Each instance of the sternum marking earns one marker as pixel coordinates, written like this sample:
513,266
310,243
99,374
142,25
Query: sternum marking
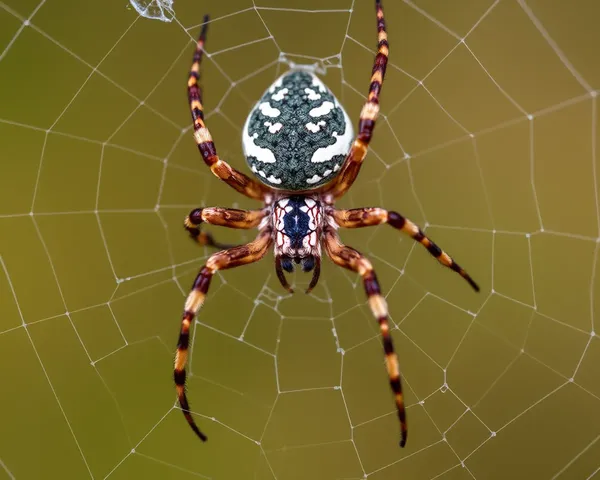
297,221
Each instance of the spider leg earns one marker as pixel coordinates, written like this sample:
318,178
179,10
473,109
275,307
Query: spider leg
349,258
224,217
368,115
366,217
232,257
240,182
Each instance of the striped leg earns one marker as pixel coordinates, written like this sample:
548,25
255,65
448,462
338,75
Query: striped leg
224,217
349,258
366,217
240,182
368,115
233,257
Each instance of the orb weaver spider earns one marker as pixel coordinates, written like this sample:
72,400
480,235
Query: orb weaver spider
299,143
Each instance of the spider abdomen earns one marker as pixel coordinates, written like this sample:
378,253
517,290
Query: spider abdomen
298,135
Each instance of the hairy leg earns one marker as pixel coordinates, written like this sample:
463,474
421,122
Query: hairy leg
233,257
349,258
366,217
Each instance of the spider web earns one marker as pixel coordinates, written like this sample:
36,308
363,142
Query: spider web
487,139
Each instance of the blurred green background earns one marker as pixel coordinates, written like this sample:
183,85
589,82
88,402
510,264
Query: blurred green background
487,138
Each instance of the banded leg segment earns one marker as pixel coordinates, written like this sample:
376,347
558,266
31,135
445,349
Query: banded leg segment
240,182
368,115
232,257
349,258
224,217
366,217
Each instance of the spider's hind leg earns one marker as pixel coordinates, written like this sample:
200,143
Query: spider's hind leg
351,259
225,217
226,259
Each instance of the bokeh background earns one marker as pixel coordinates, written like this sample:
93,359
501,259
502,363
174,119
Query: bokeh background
488,139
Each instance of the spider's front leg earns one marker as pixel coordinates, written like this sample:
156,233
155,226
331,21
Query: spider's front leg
237,180
351,259
232,257
366,217
224,217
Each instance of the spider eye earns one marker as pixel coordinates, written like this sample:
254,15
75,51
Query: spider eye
287,265
308,263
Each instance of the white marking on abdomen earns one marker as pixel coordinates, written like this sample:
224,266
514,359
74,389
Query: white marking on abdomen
273,128
312,95
326,154
340,147
314,128
263,155
280,95
267,110
322,109
314,179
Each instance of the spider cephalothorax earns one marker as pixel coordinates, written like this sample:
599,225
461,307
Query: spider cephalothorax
298,141
297,223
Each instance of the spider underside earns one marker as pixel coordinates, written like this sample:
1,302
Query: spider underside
298,141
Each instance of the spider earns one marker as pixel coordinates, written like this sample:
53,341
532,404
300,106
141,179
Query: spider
299,143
